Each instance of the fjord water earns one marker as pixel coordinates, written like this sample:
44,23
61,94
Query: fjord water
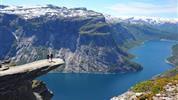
151,55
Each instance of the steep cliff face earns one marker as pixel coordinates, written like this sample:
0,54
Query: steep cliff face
25,91
40,90
80,36
7,40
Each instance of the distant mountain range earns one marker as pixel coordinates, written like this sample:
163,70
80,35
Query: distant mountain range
166,25
141,20
88,41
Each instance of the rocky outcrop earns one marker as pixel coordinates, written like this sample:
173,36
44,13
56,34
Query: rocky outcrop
130,95
169,93
24,91
40,90
16,82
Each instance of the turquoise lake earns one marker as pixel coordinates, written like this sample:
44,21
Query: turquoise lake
151,55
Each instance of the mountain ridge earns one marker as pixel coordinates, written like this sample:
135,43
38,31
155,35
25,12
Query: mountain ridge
152,20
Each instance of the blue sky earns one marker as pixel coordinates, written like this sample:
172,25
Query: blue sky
149,8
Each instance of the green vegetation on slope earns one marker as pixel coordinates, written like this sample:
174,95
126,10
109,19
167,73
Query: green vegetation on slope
152,87
143,31
95,29
174,58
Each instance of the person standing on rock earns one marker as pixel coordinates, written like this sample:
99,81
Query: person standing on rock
51,56
48,57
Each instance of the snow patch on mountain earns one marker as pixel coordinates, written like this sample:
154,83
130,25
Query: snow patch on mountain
29,12
141,20
50,10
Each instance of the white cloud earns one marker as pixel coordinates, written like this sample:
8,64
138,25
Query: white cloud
143,9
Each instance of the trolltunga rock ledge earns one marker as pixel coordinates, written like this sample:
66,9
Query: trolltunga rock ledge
16,82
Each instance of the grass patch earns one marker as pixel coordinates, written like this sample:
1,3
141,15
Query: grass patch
95,29
154,86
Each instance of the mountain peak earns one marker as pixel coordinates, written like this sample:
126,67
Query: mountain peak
3,6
